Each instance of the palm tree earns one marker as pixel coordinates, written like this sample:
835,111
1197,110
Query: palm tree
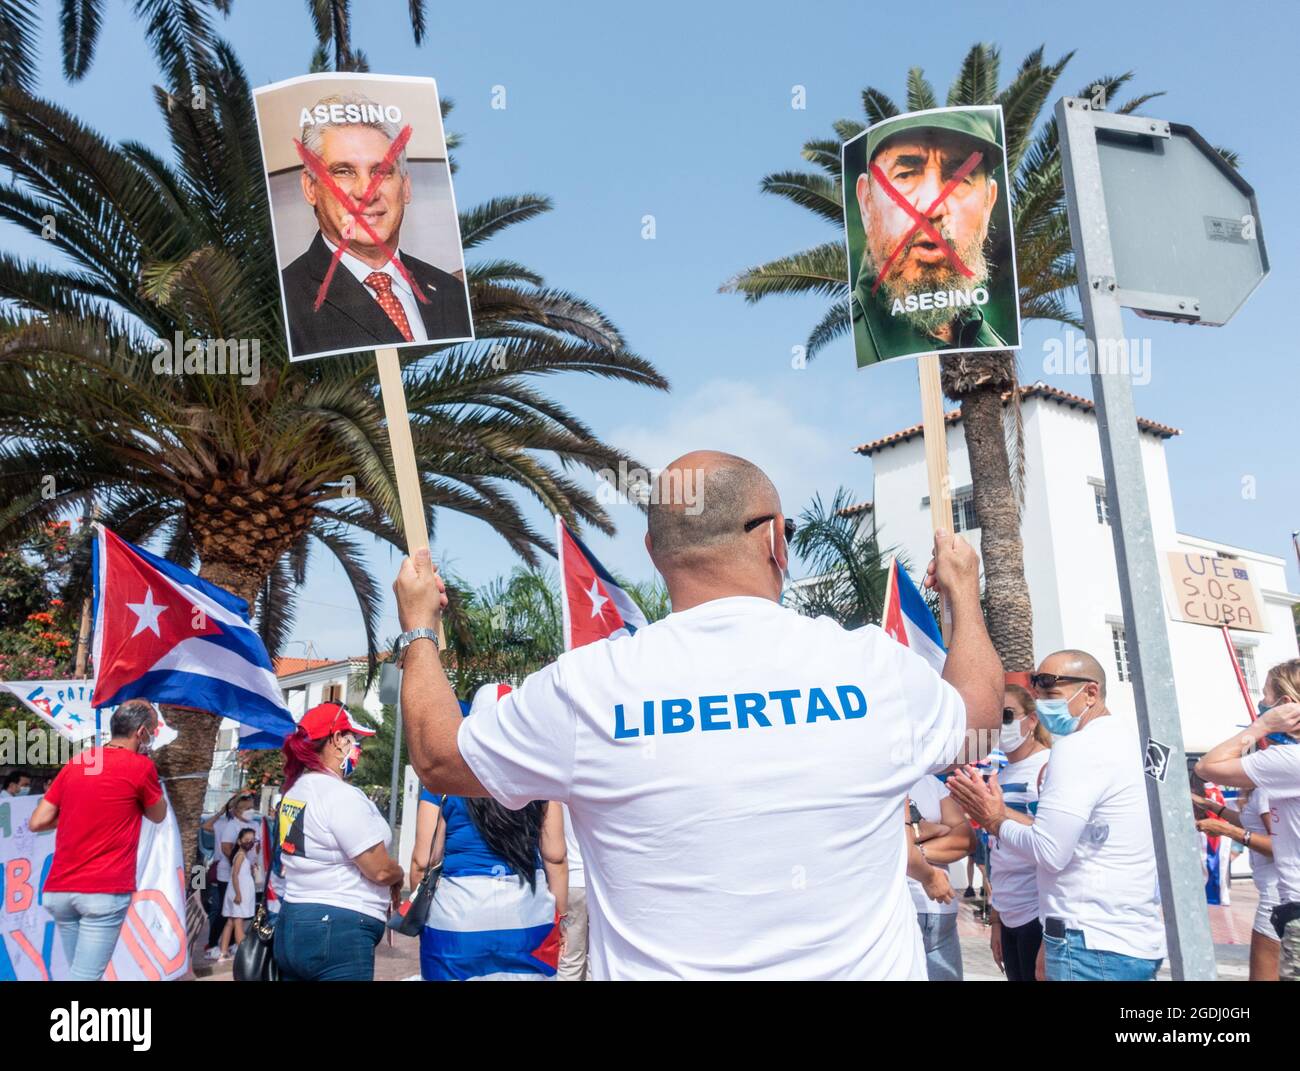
332,20
178,31
982,383
246,478
849,570
513,626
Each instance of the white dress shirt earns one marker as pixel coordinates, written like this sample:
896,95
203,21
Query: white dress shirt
401,288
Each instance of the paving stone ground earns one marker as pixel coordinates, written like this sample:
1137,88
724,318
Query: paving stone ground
1229,926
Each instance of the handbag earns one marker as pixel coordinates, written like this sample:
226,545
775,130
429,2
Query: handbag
411,917
255,956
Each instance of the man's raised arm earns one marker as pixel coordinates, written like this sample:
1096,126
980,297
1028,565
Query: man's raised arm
973,666
430,712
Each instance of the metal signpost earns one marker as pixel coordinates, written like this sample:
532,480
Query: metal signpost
390,694
1163,225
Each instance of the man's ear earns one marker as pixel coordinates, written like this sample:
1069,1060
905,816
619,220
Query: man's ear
863,191
781,549
308,187
993,193
406,188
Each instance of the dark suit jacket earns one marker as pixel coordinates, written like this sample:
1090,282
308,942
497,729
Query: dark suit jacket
350,318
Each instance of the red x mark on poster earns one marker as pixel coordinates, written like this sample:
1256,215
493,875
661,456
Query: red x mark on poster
922,222
317,167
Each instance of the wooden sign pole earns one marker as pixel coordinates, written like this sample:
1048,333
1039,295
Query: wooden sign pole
404,467
936,459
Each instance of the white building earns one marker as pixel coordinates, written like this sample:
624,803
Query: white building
305,682
1070,555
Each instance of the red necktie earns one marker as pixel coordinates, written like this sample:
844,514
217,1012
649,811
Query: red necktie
383,285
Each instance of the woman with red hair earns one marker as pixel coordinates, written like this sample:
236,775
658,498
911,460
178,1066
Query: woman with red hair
339,878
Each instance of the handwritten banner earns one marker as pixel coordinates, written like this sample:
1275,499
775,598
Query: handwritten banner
153,944
1214,591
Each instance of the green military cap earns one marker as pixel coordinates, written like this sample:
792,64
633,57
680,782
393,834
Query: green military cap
982,125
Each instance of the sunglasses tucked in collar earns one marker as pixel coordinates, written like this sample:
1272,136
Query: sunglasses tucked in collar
789,525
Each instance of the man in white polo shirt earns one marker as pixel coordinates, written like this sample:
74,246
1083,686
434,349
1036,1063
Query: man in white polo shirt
735,772
1091,834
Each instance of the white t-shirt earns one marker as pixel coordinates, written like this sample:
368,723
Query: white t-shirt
1091,839
325,823
1013,874
226,831
736,774
1262,869
1277,771
576,879
928,794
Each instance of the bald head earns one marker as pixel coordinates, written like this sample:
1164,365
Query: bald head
701,503
1075,663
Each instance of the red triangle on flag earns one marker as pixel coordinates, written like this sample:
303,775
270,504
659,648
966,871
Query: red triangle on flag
593,614
142,617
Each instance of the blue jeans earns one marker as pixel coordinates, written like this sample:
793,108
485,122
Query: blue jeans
942,948
321,943
89,924
1069,959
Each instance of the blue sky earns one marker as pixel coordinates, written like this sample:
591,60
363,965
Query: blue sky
677,112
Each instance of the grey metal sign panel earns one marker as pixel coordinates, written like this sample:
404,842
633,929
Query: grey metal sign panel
1184,225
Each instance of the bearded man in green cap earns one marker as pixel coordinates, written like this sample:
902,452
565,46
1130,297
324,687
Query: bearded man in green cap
921,286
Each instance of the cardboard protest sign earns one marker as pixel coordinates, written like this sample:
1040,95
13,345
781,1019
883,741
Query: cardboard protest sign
367,239
153,945
932,265
1213,591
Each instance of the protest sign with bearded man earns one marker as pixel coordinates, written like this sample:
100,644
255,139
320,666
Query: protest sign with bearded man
927,218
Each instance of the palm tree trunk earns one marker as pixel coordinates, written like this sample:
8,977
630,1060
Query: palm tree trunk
185,763
1007,609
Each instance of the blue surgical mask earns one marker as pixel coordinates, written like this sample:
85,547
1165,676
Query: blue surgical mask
1055,714
24,790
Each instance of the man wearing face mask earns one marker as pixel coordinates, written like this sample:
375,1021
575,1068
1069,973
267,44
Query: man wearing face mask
17,784
736,771
96,804
1090,836
340,880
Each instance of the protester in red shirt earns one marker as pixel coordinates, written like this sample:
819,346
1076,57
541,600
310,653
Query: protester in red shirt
96,803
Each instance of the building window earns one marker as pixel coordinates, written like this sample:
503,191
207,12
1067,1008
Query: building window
1099,500
1246,662
1120,645
333,694
963,511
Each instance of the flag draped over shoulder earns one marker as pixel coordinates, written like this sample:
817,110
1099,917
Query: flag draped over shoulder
907,618
164,634
594,606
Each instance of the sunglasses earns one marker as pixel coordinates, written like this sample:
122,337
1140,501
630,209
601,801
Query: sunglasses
1043,682
790,526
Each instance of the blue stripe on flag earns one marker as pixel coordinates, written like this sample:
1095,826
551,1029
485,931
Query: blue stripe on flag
206,693
914,608
457,956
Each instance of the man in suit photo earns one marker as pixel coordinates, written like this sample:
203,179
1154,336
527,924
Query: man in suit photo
378,295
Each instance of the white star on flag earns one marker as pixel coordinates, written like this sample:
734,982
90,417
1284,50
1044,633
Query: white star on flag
146,614
597,599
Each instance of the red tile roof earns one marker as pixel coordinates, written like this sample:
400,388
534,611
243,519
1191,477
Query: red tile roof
287,667
855,509
1033,390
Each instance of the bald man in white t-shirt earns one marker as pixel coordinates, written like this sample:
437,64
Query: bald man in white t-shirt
736,771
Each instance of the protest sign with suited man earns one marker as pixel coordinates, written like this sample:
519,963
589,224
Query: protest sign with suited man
366,231
928,226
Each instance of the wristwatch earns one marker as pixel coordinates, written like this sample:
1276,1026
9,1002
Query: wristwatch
407,638
1245,841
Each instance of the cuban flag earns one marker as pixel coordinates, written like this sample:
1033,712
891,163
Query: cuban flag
594,606
908,619
163,634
